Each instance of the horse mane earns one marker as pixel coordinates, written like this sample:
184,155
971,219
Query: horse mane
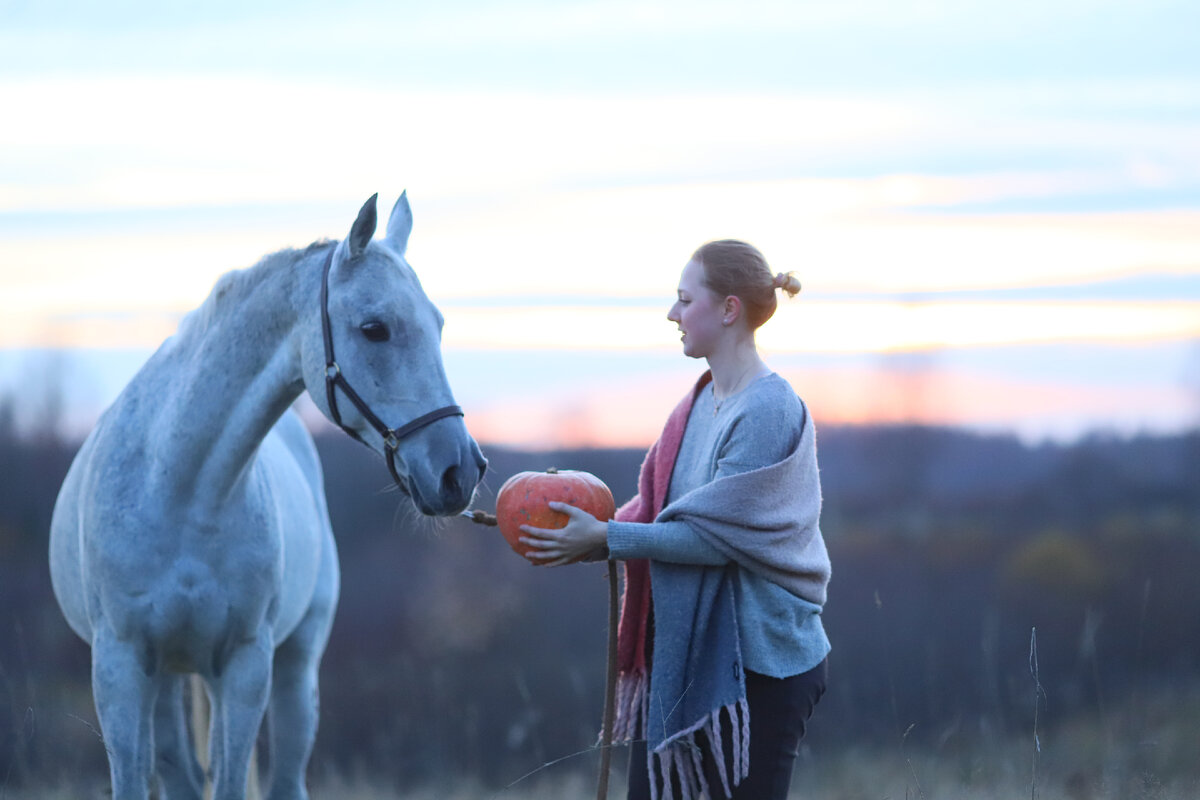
238,283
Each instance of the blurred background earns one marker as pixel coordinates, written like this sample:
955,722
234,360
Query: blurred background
994,209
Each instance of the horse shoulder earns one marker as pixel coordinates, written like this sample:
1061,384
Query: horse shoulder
306,535
299,443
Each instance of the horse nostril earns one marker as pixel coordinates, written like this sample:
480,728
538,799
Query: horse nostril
452,481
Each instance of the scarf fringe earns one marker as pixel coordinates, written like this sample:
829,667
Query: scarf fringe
680,756
631,706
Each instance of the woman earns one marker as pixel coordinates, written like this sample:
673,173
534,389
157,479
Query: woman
720,670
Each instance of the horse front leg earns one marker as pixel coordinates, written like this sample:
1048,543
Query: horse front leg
124,689
295,696
295,704
293,723
240,695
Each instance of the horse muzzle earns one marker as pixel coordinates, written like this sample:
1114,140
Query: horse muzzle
449,492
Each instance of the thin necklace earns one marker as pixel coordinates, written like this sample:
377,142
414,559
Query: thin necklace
718,403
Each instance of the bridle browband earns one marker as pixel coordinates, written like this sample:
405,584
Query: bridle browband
334,378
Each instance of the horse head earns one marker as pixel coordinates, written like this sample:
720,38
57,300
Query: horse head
373,365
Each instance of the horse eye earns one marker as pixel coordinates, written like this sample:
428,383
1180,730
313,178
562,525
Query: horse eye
375,331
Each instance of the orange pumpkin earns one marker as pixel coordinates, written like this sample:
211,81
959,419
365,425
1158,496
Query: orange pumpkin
524,500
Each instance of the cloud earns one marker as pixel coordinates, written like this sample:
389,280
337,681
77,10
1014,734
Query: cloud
940,174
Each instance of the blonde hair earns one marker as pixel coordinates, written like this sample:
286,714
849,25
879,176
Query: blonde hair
733,267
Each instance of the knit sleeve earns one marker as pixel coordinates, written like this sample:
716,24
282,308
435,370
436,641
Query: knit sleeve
675,542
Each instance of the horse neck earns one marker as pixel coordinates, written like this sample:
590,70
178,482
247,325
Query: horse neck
232,371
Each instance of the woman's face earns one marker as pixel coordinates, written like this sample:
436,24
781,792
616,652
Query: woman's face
698,312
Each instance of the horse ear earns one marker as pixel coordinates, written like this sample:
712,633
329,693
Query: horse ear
361,231
399,225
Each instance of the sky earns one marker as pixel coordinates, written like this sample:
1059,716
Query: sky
994,207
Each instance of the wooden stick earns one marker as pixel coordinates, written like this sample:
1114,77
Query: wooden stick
610,685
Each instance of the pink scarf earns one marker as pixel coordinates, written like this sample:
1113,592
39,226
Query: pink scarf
633,635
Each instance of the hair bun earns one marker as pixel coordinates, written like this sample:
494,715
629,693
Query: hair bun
788,282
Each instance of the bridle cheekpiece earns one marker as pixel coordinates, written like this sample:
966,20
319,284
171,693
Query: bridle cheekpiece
335,378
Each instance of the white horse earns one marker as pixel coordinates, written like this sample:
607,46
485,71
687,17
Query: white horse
191,533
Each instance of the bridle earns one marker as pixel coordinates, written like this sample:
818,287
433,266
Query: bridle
334,378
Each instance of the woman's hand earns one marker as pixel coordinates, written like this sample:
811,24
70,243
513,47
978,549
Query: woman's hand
583,538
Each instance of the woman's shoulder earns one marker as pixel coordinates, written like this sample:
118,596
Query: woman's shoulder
772,405
765,425
772,392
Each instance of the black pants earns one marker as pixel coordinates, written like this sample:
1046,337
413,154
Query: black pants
779,711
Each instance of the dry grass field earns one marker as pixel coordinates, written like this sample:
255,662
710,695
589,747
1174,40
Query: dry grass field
1145,751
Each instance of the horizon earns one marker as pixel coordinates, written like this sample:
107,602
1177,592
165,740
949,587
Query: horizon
566,422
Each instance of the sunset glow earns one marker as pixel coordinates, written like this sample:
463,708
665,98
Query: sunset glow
974,204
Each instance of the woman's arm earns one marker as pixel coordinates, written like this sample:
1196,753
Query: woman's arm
764,432
585,538
675,542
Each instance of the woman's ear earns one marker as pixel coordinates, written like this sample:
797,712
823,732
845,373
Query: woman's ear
732,310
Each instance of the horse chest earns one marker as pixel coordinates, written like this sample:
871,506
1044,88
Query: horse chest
161,564
197,594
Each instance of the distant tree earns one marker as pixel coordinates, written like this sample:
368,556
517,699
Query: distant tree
49,397
1191,380
8,418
